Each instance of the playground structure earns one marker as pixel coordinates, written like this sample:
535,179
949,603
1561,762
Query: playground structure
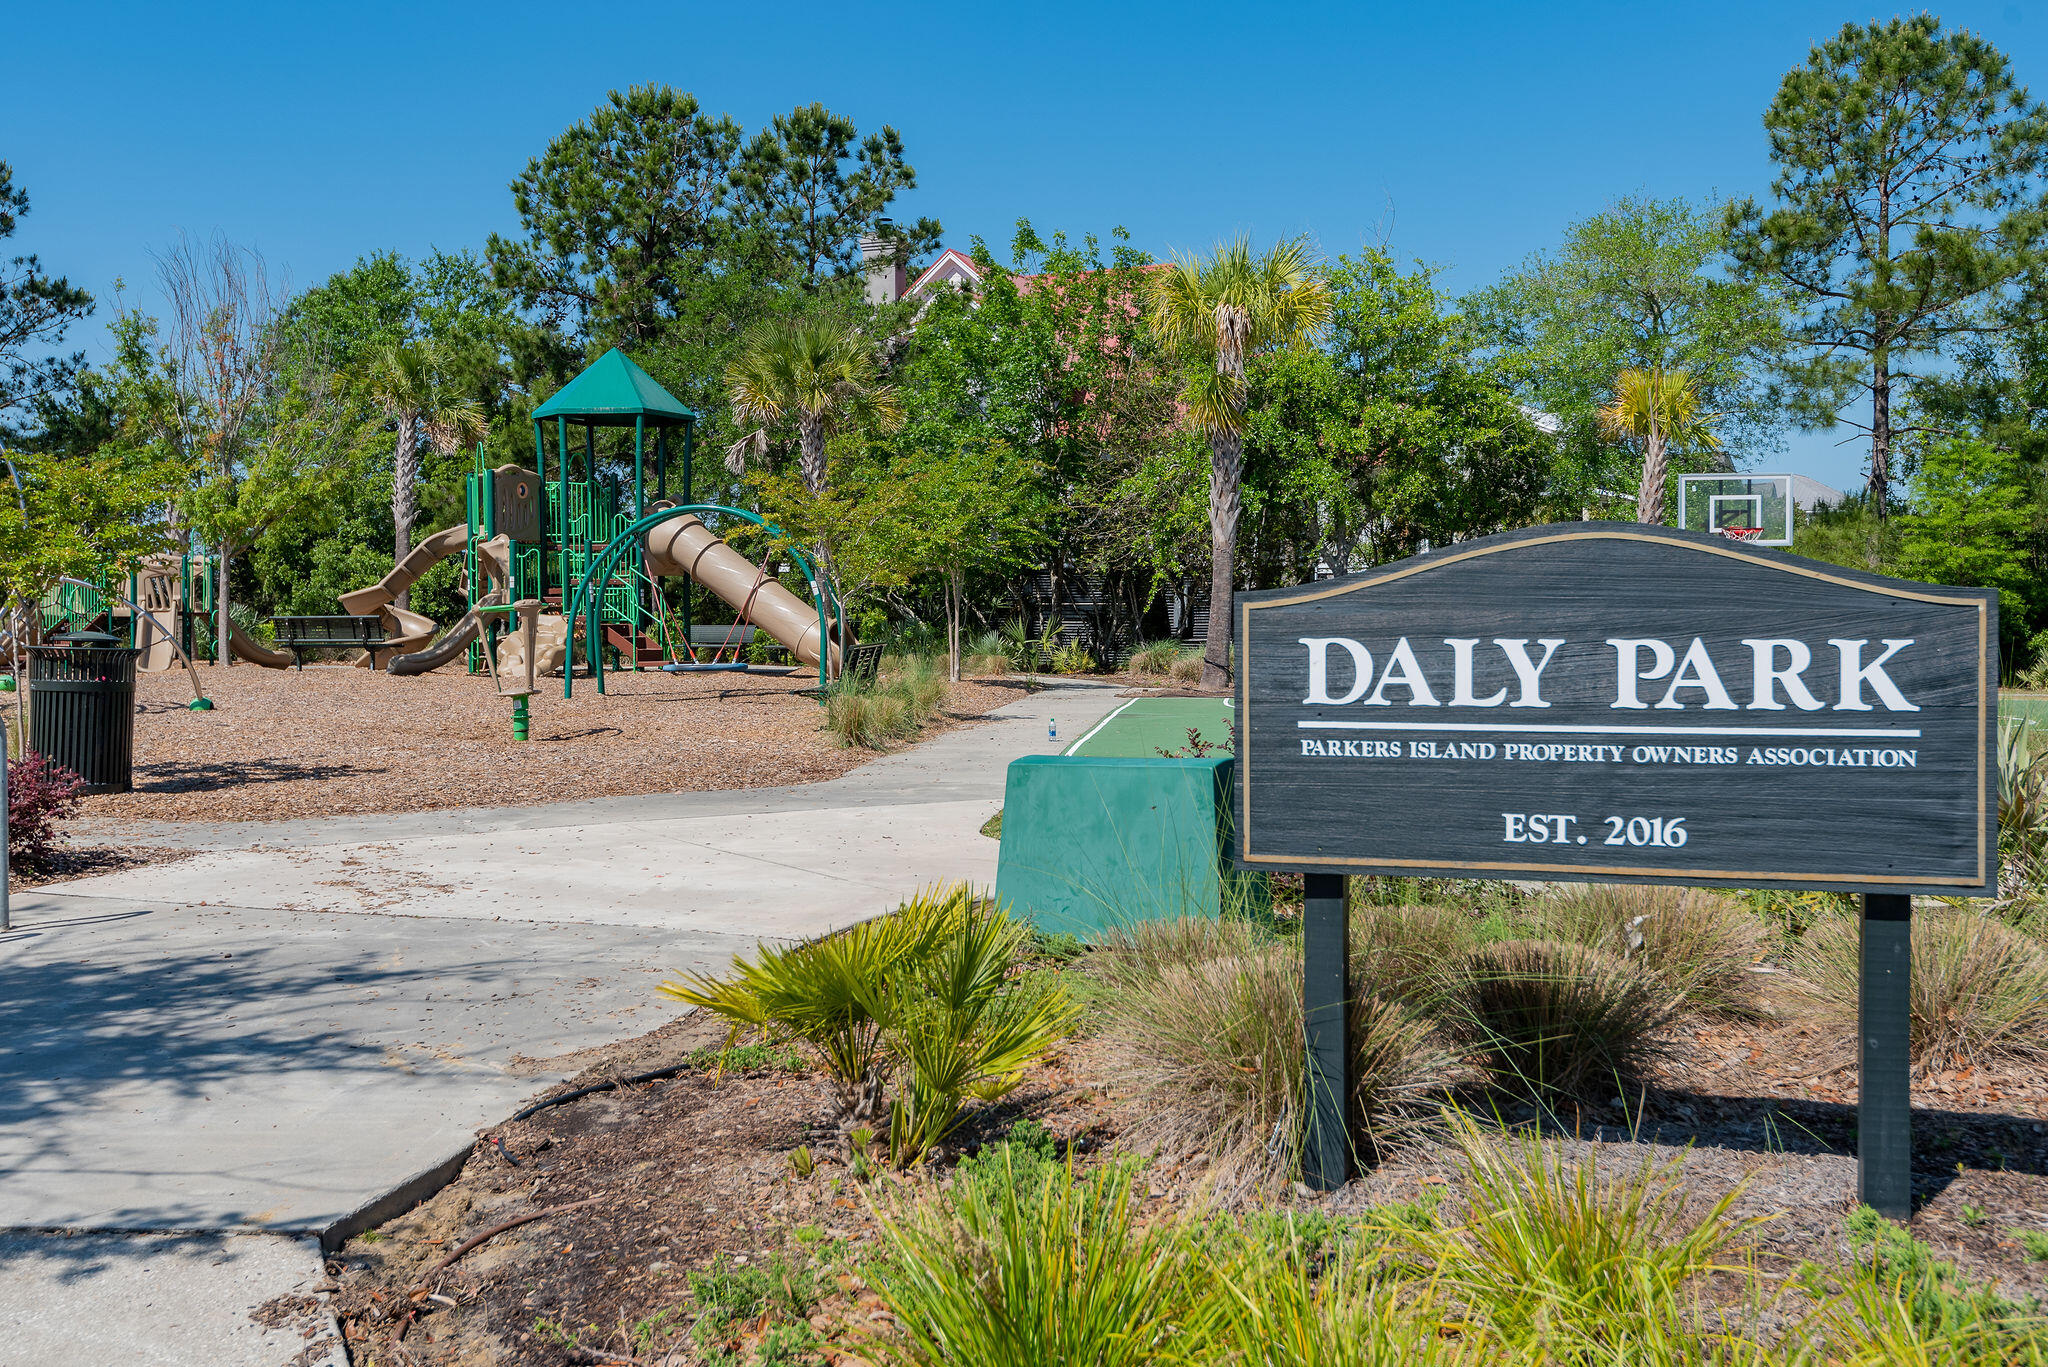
588,547
585,544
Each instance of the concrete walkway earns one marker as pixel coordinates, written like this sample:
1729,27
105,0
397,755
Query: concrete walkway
302,1016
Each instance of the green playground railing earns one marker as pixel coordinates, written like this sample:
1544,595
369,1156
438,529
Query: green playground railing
603,564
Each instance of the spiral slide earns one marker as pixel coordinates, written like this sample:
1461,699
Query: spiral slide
687,547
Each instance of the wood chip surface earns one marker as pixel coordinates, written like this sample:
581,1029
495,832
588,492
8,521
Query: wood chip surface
333,740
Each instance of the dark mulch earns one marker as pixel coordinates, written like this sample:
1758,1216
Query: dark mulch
85,861
680,1172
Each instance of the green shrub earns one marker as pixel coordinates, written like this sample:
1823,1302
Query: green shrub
908,690
734,1298
1209,1013
1029,653
1004,1273
1897,1302
1550,1019
1284,1301
1155,657
1187,668
868,721
1979,988
1567,1265
926,998
1699,944
1074,659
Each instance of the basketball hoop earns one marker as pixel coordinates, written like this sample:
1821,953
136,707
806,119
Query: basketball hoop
1742,533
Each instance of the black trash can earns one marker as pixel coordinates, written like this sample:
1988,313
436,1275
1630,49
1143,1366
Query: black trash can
81,708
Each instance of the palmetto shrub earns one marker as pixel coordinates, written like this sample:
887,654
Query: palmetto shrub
1209,1014
924,1002
1552,1019
1699,944
1979,988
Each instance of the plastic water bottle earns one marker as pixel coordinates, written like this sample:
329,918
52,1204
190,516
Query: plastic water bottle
1052,729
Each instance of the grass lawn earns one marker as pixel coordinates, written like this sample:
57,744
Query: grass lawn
1143,727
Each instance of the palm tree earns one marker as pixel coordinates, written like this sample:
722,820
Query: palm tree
1661,409
817,372
407,382
1214,314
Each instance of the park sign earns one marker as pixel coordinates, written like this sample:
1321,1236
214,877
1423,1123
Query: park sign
1605,701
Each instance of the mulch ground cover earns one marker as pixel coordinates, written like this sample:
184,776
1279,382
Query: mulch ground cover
332,740
653,1182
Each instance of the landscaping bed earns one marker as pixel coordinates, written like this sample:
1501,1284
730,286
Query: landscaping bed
725,1218
332,740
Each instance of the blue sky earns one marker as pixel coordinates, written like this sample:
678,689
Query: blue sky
1464,134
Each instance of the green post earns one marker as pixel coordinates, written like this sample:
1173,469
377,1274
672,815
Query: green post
562,531
519,720
540,470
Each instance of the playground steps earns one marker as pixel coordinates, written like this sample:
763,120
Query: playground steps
646,650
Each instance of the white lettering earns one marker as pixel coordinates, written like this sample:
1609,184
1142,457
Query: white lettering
1628,660
1530,675
1319,670
1461,675
1855,673
1697,671
1410,678
1766,677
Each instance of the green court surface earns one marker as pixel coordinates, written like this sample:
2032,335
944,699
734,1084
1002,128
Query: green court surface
1142,727
2033,707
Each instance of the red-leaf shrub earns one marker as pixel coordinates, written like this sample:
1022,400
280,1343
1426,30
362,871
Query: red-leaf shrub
40,794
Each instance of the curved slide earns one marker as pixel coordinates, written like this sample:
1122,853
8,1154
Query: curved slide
247,647
404,630
494,556
687,547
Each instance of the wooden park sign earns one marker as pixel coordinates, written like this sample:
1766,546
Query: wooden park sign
1614,702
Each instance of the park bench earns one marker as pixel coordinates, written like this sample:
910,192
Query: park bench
721,637
300,634
863,663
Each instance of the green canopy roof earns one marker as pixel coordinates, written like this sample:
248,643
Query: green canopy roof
612,392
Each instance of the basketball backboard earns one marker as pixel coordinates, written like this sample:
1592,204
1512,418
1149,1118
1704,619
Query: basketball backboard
1753,508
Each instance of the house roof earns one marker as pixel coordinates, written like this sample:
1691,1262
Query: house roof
952,264
612,392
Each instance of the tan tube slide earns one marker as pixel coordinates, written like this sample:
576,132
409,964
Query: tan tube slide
687,547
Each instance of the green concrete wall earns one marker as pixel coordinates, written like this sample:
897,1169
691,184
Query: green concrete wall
1089,844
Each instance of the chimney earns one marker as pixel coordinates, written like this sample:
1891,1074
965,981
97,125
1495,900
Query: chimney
883,266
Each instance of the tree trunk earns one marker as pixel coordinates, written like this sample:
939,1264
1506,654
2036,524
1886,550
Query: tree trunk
811,459
1226,466
1656,464
405,494
1880,433
221,625
953,592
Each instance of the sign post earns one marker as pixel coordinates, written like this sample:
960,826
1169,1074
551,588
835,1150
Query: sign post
1614,702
